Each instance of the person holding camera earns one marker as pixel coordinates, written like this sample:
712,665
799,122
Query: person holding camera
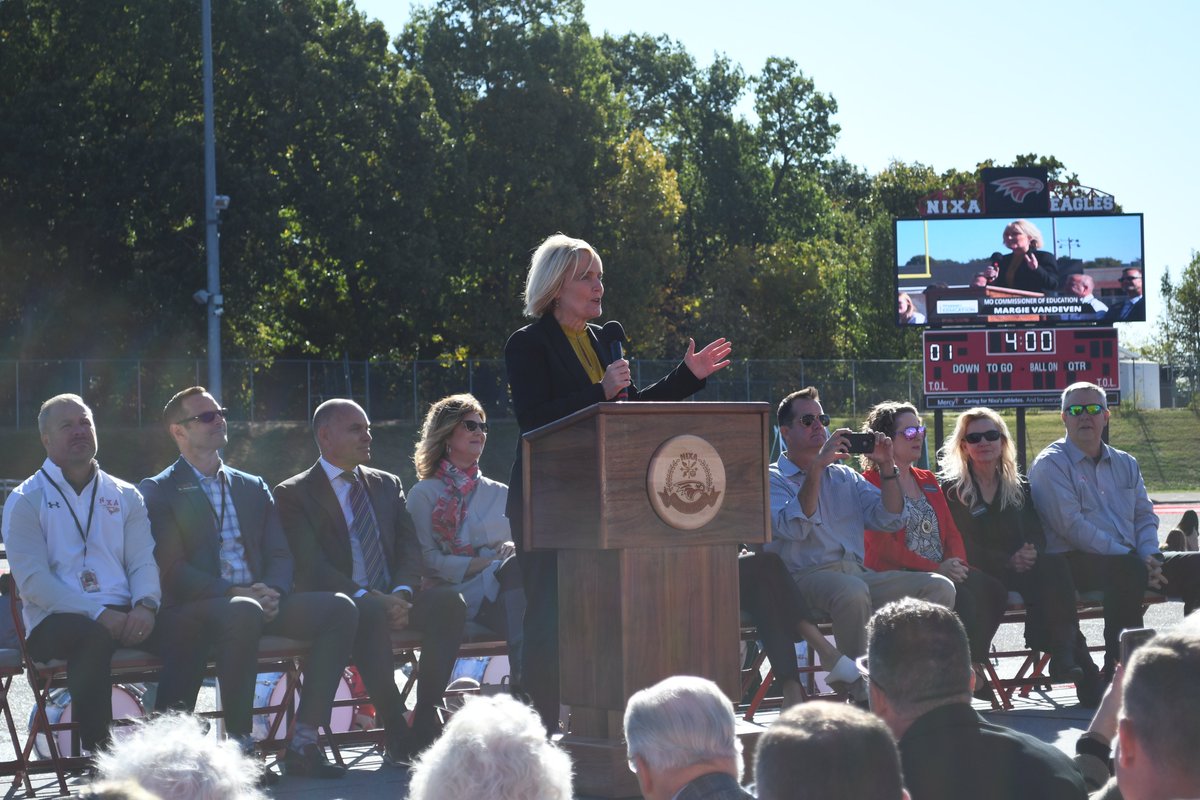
820,509
929,540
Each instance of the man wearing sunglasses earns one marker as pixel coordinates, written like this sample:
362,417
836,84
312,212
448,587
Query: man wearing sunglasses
1093,504
227,580
1133,307
820,510
350,529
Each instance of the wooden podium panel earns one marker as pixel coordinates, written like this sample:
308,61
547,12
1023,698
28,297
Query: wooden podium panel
644,503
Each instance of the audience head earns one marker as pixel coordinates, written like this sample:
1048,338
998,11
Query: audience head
1021,235
115,790
1084,428
900,422
918,659
196,421
827,751
443,433
494,748
556,260
1131,282
981,443
1080,285
343,433
803,424
678,729
68,431
173,757
1158,727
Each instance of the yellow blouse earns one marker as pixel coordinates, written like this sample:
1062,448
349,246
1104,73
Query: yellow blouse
586,354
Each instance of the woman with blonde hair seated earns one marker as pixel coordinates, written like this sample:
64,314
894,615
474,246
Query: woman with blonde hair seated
459,516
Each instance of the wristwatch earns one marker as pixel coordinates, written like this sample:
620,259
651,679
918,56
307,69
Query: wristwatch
148,603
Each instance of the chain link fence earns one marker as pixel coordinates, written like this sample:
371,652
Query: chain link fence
132,392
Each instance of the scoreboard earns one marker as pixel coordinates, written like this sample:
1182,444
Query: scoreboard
1016,367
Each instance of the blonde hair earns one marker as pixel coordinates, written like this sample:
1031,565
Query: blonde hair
1029,229
956,464
441,420
556,259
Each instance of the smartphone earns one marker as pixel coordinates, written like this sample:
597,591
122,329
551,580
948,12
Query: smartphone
1132,639
860,442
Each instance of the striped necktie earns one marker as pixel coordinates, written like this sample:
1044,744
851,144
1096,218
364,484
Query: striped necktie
367,533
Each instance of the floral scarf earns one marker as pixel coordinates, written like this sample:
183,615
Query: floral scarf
451,507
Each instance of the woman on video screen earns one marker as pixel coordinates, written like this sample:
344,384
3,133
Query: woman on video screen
1029,268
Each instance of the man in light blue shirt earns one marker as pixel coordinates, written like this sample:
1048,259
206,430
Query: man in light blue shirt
1093,504
820,511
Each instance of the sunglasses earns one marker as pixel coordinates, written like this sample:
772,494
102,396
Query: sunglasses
976,438
1091,408
472,426
808,419
206,417
1129,278
913,432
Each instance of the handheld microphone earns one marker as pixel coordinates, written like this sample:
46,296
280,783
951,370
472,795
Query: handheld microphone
615,335
997,259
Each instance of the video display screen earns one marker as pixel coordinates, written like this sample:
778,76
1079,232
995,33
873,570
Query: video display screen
1046,271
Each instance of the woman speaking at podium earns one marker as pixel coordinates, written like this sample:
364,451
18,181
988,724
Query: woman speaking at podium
557,365
1029,268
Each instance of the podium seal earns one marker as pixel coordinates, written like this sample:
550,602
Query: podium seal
686,482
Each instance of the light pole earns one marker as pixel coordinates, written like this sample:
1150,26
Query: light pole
213,205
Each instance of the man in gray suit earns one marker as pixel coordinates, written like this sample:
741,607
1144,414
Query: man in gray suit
351,532
227,579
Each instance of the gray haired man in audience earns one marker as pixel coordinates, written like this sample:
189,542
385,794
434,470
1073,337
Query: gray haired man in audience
681,741
920,681
828,751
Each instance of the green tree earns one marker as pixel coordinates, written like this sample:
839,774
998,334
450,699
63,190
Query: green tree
1177,339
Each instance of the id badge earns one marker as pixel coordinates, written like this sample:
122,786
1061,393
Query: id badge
89,581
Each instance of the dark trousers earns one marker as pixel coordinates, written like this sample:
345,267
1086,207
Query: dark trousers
440,615
1051,621
770,596
506,615
228,629
539,670
980,602
1122,580
87,647
1182,571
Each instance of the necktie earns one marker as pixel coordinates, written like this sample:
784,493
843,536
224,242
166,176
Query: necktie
367,534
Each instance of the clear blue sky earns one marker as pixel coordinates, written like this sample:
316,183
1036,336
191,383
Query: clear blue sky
1107,87
1116,237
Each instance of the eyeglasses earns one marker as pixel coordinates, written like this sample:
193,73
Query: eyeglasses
864,669
1091,408
913,432
206,417
976,438
472,426
1129,278
808,419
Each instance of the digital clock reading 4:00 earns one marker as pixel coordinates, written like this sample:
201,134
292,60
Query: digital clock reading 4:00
999,343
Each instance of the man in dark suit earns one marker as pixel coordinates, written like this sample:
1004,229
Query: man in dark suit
920,684
227,579
350,532
1133,307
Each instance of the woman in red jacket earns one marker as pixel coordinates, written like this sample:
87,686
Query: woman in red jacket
929,540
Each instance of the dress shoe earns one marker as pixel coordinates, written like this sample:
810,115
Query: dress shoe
1063,669
310,762
266,777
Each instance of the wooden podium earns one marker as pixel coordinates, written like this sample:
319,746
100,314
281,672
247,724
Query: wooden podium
644,502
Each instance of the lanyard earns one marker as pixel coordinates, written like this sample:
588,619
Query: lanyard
220,520
83,532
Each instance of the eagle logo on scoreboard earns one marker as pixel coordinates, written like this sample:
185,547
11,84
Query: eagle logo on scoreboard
1019,188
685,482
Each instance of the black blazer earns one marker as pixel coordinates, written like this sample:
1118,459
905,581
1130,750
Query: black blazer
992,537
187,544
316,529
1044,279
548,382
1137,311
